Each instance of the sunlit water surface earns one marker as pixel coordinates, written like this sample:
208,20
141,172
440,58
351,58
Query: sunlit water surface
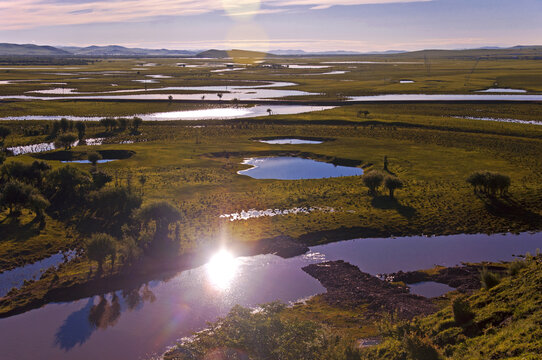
137,323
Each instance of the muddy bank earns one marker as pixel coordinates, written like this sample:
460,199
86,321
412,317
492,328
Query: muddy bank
464,278
347,286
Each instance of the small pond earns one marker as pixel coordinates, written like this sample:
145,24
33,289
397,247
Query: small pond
429,289
406,81
295,168
290,141
101,161
502,90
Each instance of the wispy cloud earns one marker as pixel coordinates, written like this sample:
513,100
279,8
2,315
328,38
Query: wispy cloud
21,14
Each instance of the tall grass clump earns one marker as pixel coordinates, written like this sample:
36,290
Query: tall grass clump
489,279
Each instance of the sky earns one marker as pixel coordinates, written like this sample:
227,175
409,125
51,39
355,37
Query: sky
311,25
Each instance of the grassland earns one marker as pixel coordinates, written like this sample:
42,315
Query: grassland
194,165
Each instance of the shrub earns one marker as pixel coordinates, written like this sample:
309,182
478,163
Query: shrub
462,312
392,183
515,267
373,180
94,157
66,141
488,279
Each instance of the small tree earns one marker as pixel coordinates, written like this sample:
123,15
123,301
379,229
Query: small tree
2,157
373,180
136,123
170,98
66,141
64,125
94,157
392,183
81,129
269,111
99,247
219,95
142,180
15,195
123,124
4,133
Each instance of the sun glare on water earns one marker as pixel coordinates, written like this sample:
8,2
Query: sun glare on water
221,269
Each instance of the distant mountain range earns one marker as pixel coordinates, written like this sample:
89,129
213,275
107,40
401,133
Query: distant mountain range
115,50
30,50
121,51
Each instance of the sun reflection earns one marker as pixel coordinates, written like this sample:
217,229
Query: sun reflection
221,269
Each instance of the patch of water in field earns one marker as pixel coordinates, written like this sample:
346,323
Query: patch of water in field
294,168
290,141
445,97
203,114
429,289
254,214
502,90
517,121
406,81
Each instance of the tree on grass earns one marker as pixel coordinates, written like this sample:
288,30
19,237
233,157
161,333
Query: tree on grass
4,133
94,157
64,125
16,195
65,141
392,183
99,247
136,123
81,129
490,183
162,214
109,123
373,180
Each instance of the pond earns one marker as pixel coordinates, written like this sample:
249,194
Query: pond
140,322
290,141
502,90
101,161
446,97
295,168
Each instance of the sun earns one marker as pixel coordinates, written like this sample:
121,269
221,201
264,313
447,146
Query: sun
221,269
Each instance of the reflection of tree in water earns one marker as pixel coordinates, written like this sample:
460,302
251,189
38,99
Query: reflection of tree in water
79,325
135,298
76,329
105,313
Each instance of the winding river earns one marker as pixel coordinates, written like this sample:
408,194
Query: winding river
140,323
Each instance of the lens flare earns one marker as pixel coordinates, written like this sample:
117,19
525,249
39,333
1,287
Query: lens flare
221,269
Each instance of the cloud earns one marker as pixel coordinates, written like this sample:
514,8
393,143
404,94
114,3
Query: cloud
21,14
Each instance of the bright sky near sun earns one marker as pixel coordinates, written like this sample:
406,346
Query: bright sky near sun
360,25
